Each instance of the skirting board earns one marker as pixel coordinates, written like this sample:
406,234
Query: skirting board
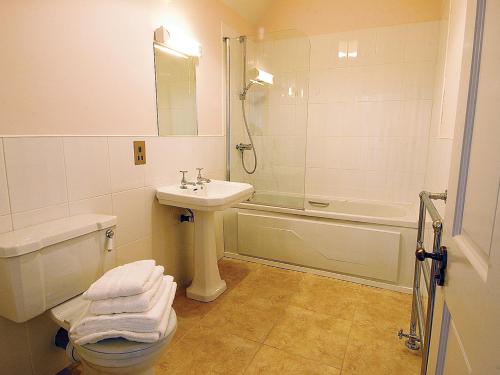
333,275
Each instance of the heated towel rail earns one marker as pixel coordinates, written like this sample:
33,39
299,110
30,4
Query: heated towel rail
434,275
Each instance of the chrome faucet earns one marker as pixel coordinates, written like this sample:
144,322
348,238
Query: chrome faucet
201,180
184,182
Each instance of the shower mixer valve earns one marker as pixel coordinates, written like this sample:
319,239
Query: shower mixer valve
244,146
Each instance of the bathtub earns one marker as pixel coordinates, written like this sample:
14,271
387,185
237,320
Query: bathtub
364,242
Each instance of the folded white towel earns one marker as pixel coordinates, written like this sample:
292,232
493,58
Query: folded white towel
136,322
131,304
127,280
134,336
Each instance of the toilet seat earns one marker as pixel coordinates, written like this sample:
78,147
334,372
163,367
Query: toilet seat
116,353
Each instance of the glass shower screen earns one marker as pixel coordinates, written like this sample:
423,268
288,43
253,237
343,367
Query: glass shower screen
267,98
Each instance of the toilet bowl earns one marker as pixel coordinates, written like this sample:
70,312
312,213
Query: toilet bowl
113,356
48,266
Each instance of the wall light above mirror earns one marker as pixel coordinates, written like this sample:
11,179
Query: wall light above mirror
175,72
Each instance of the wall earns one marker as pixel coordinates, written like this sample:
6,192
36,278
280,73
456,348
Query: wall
86,67
445,97
365,98
46,178
314,17
370,104
277,115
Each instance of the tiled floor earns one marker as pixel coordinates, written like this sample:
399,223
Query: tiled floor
273,321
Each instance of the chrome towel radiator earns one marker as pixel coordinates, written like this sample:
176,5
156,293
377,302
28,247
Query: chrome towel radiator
434,275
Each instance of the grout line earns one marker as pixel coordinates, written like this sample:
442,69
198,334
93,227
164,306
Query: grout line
253,358
65,171
7,184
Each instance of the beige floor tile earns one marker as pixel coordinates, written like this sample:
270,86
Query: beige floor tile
377,351
207,351
273,361
234,271
328,296
246,316
311,335
271,283
384,308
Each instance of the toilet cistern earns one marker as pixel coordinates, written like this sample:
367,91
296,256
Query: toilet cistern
217,195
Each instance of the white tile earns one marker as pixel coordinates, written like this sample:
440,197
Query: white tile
157,172
124,173
130,208
4,191
134,251
35,172
422,41
5,223
317,120
38,216
415,119
87,167
418,80
361,47
315,157
390,44
96,205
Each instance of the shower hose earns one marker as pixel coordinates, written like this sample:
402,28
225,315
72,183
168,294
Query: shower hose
251,142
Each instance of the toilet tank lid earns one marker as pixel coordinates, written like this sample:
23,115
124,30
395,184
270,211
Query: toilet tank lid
27,240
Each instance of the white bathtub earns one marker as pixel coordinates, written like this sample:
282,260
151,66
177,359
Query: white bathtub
364,242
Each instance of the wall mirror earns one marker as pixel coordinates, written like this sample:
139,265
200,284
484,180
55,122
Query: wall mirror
175,92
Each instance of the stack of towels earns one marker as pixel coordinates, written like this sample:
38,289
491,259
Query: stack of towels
132,301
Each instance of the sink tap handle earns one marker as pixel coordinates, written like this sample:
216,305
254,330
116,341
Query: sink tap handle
200,178
183,181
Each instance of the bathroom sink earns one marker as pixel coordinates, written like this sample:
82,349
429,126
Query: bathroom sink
213,196
204,200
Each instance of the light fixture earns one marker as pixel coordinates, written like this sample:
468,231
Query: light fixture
176,40
170,51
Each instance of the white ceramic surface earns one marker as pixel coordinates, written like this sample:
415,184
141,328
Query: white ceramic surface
214,196
47,264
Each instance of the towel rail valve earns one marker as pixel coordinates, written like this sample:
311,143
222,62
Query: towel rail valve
441,257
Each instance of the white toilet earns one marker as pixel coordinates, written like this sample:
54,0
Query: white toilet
48,266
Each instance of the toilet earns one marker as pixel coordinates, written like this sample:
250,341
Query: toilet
48,267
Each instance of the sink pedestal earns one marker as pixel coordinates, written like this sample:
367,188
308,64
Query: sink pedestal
207,284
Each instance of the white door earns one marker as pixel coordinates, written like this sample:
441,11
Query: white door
466,333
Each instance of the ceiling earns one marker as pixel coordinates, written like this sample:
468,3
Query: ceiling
251,10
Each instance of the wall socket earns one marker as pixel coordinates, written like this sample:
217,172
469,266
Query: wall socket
139,152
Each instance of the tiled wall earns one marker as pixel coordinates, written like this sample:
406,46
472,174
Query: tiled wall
45,178
354,119
277,115
370,103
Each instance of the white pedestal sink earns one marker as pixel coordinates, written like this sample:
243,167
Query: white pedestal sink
204,201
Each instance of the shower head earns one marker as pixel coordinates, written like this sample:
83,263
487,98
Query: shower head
261,77
257,76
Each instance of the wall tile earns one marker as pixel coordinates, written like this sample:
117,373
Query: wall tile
130,208
133,251
4,193
124,173
5,223
40,215
87,167
422,41
96,205
35,172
